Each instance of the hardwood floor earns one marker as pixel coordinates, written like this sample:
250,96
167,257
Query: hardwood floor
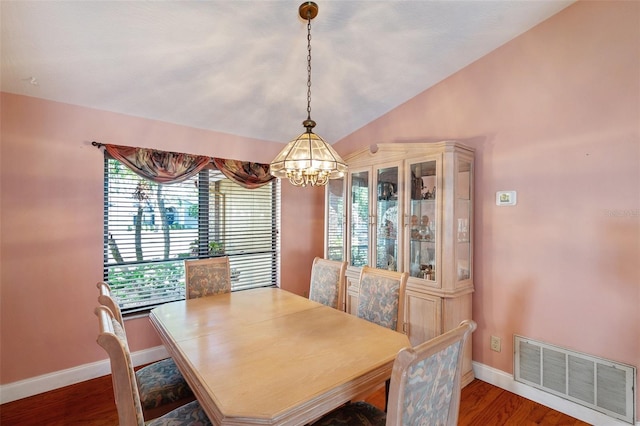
91,403
483,404
86,403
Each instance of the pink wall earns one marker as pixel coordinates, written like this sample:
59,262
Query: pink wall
554,115
51,226
303,226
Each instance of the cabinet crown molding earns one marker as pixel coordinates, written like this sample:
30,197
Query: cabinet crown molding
392,151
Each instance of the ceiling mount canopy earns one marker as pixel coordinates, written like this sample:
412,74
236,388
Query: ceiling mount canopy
308,159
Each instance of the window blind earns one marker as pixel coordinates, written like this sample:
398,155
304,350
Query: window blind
150,229
360,219
335,218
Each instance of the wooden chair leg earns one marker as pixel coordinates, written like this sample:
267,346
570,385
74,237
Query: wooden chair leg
386,394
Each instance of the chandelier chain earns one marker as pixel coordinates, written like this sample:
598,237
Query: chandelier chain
309,68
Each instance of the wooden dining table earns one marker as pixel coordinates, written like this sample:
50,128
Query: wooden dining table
269,357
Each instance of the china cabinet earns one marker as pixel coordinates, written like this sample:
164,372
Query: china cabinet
409,207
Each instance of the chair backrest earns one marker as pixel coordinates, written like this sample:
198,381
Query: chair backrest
381,298
105,298
327,282
125,390
426,380
206,277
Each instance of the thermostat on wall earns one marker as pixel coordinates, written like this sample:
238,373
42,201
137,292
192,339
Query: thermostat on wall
506,198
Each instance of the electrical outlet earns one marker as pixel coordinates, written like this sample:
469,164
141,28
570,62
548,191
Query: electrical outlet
495,343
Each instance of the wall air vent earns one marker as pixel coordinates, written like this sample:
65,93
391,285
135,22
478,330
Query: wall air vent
600,384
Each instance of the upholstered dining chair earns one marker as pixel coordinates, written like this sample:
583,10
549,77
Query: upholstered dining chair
206,277
113,340
327,282
161,387
381,298
426,382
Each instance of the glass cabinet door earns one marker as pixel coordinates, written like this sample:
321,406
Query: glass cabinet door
463,221
360,219
423,230
386,253
335,220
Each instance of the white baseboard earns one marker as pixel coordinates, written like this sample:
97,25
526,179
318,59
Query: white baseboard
47,382
505,381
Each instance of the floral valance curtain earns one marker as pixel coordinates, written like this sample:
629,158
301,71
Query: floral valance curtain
246,174
173,167
158,166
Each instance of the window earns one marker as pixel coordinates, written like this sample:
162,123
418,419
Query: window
149,229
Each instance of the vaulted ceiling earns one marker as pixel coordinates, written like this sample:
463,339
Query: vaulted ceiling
240,67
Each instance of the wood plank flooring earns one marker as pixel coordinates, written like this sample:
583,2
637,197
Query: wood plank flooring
91,403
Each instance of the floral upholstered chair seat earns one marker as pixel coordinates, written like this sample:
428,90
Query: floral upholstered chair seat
356,413
161,384
190,414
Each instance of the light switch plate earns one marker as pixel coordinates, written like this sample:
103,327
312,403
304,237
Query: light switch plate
506,198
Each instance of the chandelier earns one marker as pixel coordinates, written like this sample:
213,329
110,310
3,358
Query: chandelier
308,159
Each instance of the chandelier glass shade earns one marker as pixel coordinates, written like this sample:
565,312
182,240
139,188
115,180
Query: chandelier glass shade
308,159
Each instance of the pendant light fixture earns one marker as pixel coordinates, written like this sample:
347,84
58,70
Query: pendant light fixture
308,159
